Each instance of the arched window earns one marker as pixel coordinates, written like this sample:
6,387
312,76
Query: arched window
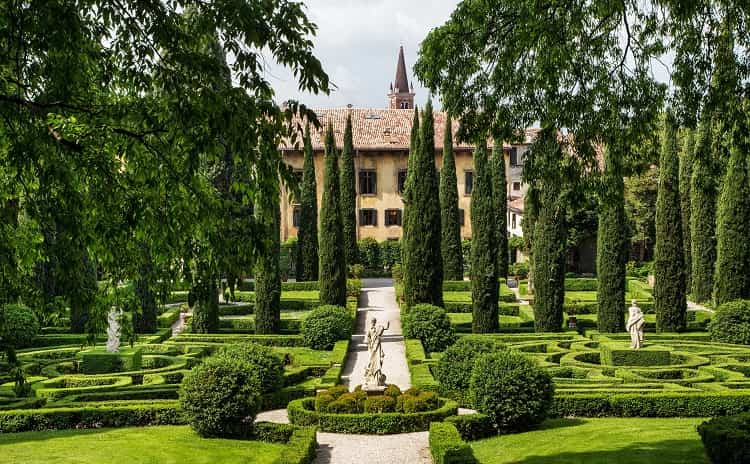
404,105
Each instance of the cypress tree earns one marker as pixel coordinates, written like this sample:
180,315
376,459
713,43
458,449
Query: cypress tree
424,265
205,293
686,170
143,285
669,265
453,261
268,273
484,283
349,196
500,197
332,270
611,247
307,236
413,148
732,280
702,215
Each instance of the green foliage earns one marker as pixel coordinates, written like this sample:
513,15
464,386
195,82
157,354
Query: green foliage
431,325
307,235
500,202
447,446
686,170
511,389
206,296
265,367
450,244
703,191
484,275
727,439
369,253
325,325
100,361
267,272
379,404
455,364
332,270
620,354
349,196
731,323
473,426
18,327
218,399
669,265
423,266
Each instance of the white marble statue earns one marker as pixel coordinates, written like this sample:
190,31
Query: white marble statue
113,330
374,371
635,326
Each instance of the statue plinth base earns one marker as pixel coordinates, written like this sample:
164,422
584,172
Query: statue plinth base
373,388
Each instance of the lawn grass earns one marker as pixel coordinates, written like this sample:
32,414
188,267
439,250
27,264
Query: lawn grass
598,441
138,445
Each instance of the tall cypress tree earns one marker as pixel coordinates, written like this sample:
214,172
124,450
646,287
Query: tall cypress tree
732,280
686,170
307,236
349,196
484,283
703,191
453,261
332,269
611,246
669,265
268,273
424,265
500,199
413,148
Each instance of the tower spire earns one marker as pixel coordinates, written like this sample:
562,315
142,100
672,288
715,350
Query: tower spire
401,84
401,96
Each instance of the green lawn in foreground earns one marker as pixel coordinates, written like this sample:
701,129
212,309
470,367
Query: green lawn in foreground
138,445
598,441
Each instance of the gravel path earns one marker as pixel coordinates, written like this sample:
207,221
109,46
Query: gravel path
405,448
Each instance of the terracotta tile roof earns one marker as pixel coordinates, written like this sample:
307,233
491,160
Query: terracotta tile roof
381,129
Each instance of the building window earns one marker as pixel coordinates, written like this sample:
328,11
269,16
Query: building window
513,221
296,211
461,217
393,217
401,181
368,217
468,182
368,183
514,160
404,105
516,186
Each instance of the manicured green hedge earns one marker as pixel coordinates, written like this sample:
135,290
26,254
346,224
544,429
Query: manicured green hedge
446,445
727,439
582,284
100,361
268,340
300,442
473,426
620,354
168,317
681,404
302,412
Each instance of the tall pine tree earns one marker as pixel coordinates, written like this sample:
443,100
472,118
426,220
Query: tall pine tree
424,265
500,200
703,191
611,246
484,283
307,235
349,196
267,271
332,269
669,265
453,261
686,170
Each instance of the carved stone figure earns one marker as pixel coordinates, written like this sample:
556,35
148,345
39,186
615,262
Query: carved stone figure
636,324
113,330
374,371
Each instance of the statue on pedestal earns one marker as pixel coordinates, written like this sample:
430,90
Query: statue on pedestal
374,376
635,325
113,330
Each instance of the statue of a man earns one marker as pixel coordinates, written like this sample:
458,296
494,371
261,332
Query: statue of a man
373,373
635,325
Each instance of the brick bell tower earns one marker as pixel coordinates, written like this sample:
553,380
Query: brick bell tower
401,95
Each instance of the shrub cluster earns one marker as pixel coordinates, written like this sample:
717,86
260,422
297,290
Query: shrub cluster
727,439
446,445
326,325
18,326
457,362
731,323
431,325
338,400
265,368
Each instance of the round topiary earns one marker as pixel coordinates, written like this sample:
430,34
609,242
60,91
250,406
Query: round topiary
511,389
18,326
431,325
731,323
325,325
219,400
457,362
265,368
392,390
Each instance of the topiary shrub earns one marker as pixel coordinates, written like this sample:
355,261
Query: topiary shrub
511,389
322,400
431,325
18,326
325,325
392,391
265,368
454,367
345,404
220,399
727,439
731,323
381,403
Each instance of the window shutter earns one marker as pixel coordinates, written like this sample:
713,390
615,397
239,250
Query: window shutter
374,217
361,217
398,216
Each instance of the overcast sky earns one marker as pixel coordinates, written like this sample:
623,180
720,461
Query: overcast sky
358,41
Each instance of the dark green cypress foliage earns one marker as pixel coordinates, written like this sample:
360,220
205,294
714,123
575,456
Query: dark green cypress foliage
453,261
349,196
144,285
686,170
205,293
413,148
307,237
500,196
424,265
732,280
703,192
268,274
484,283
669,265
332,269
611,247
